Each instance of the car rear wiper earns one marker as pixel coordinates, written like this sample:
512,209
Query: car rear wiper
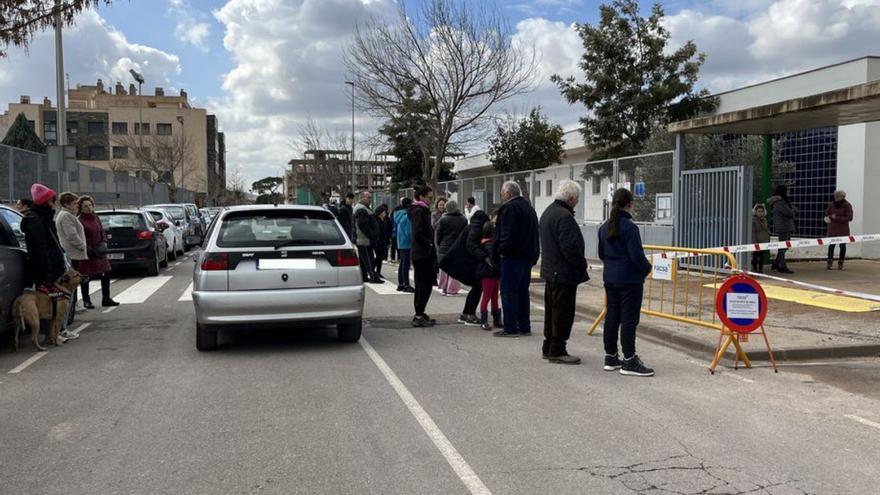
295,242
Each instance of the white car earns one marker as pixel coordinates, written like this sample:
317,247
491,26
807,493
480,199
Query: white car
170,230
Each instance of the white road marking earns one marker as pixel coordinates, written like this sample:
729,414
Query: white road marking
740,378
187,294
95,285
386,289
178,263
142,290
110,309
31,360
538,307
455,460
80,328
852,417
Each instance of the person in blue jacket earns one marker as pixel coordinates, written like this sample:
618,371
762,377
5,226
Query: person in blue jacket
403,228
626,267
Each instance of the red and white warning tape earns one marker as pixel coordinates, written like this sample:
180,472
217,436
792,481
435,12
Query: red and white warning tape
766,246
830,290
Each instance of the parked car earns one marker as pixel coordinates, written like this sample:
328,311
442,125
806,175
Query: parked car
209,212
134,240
13,260
192,235
172,233
276,264
198,219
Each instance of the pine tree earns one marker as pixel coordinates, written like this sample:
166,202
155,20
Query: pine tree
21,136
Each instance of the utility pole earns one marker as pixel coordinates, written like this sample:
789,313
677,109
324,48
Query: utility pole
353,174
61,114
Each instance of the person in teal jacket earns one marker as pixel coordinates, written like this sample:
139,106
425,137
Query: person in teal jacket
403,227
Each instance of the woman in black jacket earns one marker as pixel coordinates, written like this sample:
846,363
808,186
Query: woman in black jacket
384,238
424,256
475,249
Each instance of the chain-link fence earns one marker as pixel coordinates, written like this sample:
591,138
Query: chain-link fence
19,169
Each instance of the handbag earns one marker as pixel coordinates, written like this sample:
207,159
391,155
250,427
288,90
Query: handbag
100,249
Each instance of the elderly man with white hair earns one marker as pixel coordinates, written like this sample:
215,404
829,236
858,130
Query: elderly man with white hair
563,268
515,252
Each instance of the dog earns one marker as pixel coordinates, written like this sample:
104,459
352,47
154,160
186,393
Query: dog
33,305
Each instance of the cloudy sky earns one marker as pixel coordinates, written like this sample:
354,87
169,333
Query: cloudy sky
264,66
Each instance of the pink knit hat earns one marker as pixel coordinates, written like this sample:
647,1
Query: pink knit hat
41,194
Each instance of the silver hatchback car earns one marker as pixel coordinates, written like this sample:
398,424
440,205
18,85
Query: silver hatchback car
276,264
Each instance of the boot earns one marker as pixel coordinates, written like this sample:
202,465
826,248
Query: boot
829,264
484,320
106,301
496,319
87,300
839,265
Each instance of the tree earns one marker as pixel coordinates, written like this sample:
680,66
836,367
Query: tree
633,82
20,135
158,159
21,20
235,188
454,57
526,144
267,190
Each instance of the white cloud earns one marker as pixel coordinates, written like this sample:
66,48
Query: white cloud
92,50
190,26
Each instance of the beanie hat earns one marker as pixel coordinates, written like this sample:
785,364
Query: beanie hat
41,194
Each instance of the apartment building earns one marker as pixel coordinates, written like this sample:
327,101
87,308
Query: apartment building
105,124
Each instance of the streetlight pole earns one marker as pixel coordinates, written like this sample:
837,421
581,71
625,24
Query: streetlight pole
140,127
353,174
61,114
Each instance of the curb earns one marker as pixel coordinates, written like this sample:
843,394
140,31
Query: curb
705,348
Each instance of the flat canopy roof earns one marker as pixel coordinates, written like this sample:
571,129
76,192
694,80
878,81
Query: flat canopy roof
853,105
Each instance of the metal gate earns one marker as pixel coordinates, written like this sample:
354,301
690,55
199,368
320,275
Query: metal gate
715,207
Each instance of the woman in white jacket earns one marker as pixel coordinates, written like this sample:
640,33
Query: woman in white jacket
72,238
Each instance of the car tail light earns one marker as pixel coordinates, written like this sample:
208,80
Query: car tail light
144,235
215,261
347,257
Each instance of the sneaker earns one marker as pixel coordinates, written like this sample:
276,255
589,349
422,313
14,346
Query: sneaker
399,288
462,318
612,363
418,321
88,305
428,320
564,359
485,326
635,367
68,335
502,333
109,303
408,289
473,321
376,280
526,333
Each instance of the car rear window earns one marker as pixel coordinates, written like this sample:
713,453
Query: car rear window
122,220
275,228
156,215
176,212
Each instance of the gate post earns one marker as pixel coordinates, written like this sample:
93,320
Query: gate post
678,158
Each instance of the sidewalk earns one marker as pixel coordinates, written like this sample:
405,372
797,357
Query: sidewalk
796,331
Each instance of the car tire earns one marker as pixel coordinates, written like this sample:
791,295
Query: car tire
350,332
153,269
206,338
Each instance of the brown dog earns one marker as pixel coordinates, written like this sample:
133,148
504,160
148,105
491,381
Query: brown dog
32,306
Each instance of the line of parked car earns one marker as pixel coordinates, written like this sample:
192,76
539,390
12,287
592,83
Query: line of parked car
145,238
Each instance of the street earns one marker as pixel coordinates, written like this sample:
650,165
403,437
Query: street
132,407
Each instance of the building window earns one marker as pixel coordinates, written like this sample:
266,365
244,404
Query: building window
142,128
549,187
73,127
163,129
97,128
120,152
164,154
597,185
143,153
97,153
120,128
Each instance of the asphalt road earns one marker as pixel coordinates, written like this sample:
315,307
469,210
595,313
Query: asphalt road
132,408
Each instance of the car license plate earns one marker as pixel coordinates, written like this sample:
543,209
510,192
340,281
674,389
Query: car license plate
116,256
288,264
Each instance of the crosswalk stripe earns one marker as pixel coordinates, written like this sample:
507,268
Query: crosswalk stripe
385,289
95,285
187,294
142,290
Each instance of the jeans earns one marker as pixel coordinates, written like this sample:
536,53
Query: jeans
71,310
842,252
624,303
424,278
559,302
780,255
403,268
515,277
365,253
758,261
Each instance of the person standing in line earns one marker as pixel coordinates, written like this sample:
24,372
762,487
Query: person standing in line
515,252
563,268
783,215
366,231
448,230
624,273
346,216
383,239
490,282
470,208
72,238
334,208
23,205
439,211
760,234
838,215
393,258
476,249
97,265
424,255
45,258
404,243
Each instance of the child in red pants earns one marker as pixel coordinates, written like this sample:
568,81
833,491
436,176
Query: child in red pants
490,280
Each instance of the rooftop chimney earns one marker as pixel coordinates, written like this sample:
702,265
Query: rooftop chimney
120,89
100,85
183,94
132,90
47,102
160,92
24,100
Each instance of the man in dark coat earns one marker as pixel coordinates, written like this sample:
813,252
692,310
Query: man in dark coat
476,250
346,216
424,255
563,267
516,252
